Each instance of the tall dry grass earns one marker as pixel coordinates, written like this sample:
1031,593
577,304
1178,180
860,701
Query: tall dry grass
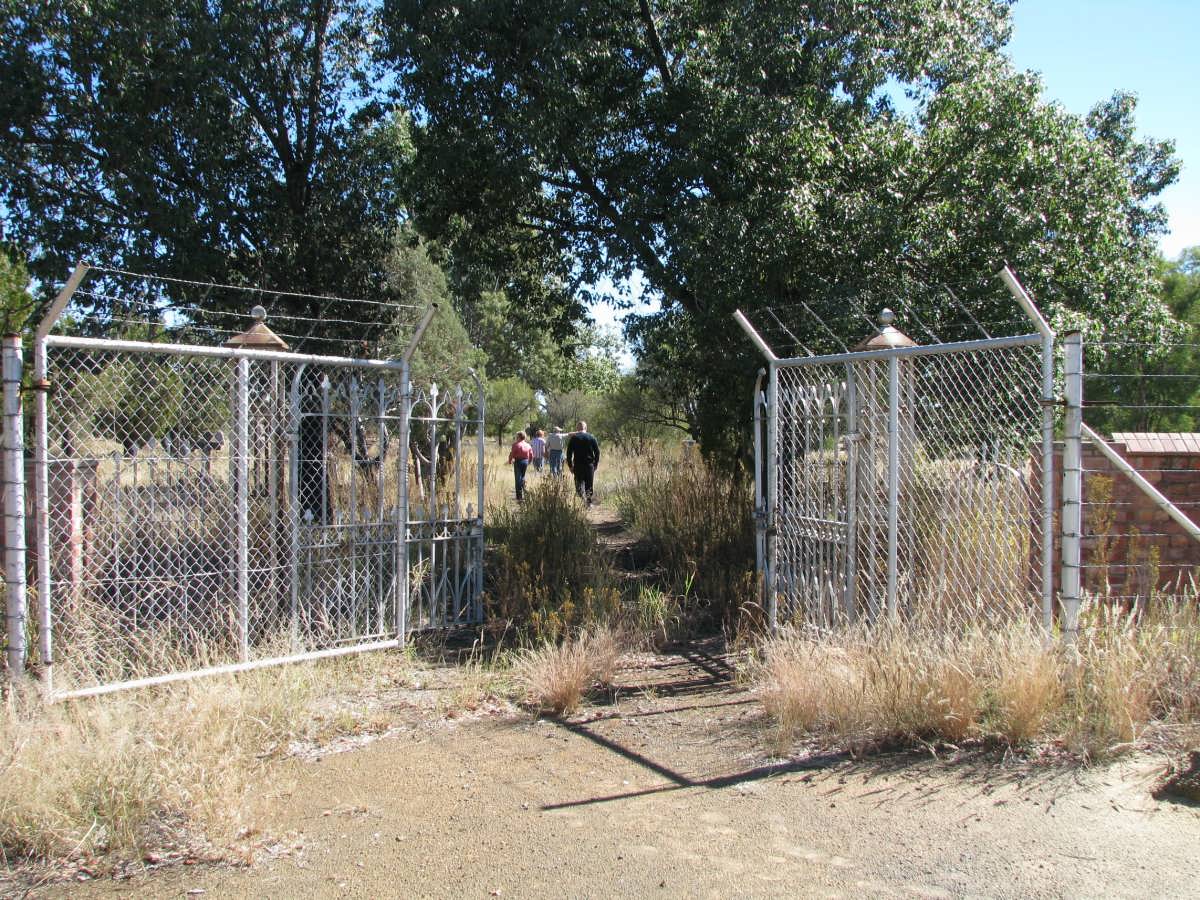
547,574
1128,679
130,772
699,524
555,678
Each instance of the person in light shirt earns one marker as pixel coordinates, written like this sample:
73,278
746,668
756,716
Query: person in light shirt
538,444
554,450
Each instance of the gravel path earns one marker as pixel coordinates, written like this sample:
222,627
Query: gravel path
668,793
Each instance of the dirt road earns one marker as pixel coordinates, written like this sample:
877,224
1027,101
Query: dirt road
669,793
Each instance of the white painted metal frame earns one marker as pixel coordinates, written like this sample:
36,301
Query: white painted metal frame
769,461
242,376
1072,495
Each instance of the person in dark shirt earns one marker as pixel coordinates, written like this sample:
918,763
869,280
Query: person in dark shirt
583,458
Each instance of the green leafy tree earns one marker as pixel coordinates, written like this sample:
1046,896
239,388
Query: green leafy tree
1133,386
508,401
16,303
566,408
445,353
633,416
751,156
238,142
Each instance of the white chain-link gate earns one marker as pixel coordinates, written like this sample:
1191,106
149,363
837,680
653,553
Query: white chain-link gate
904,481
208,509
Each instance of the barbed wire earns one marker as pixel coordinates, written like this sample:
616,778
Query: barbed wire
247,288
119,300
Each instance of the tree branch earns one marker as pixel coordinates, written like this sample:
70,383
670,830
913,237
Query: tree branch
656,47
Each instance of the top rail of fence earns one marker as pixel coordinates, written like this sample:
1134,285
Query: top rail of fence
1020,340
147,347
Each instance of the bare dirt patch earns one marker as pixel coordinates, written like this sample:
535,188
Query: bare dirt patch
669,791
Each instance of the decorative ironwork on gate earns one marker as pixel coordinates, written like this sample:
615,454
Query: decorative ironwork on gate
212,508
900,480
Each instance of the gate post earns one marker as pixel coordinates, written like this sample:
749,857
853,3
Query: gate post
1048,402
851,438
772,493
242,462
893,485
1072,498
14,507
480,450
294,504
401,525
760,513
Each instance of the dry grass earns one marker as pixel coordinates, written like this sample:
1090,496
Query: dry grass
555,678
131,772
699,524
1128,680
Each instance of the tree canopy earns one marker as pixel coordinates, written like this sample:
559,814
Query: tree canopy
795,156
251,143
773,154
238,142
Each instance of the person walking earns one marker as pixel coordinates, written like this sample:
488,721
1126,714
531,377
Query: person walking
539,449
554,450
583,458
519,456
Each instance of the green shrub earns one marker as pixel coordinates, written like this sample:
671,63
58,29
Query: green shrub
547,575
699,525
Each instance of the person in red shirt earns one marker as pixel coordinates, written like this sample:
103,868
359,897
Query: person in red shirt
520,455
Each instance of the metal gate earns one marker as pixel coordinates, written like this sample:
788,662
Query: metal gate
905,481
206,509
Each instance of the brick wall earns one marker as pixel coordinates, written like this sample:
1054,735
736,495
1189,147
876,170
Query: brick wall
1128,542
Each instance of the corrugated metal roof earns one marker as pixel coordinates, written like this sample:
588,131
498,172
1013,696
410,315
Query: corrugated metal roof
1158,441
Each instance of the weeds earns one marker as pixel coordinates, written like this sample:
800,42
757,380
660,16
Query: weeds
555,678
135,771
700,524
1125,680
547,575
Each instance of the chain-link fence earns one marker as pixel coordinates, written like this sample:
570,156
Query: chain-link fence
199,507
907,482
212,509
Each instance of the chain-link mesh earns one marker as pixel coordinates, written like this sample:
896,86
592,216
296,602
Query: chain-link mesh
913,483
206,510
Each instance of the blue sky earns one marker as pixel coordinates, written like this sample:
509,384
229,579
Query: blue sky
1086,49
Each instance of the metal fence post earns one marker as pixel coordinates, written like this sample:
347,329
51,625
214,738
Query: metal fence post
41,510
402,506
1030,308
760,511
772,493
294,510
242,450
1072,498
480,479
893,485
14,506
851,438
1048,481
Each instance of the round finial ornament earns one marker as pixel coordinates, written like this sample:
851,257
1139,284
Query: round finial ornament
886,317
258,313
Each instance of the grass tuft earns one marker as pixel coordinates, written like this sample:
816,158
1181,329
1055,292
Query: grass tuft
699,524
555,678
136,771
